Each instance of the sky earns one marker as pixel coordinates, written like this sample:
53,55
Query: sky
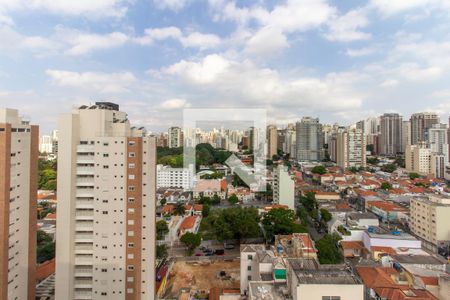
341,61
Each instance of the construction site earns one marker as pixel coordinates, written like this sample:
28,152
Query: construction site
197,277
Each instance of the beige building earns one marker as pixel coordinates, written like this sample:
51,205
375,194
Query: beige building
175,137
106,206
19,151
351,149
430,220
283,187
272,141
421,159
420,123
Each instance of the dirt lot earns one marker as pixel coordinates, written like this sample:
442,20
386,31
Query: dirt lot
202,276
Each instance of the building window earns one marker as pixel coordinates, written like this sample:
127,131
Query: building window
249,278
131,166
249,268
131,188
130,245
130,268
131,154
250,257
331,297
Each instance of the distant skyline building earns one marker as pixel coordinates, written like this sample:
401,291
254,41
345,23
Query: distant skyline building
406,134
437,139
106,206
391,134
272,141
175,137
19,152
283,187
421,159
351,149
420,123
309,140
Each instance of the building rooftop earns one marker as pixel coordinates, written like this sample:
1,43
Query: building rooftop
260,290
418,259
309,271
361,216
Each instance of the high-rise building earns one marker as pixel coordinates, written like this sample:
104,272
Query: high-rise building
391,134
106,206
283,187
289,144
406,134
351,149
438,140
45,144
420,123
272,141
55,136
175,137
19,151
309,140
430,220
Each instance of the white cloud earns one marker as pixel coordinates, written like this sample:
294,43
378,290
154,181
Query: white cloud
156,34
200,40
360,52
191,40
86,8
174,5
81,43
389,7
204,72
266,41
12,40
248,84
441,94
174,104
389,83
346,28
107,83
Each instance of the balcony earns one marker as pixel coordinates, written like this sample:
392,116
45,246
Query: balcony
86,204
83,260
83,283
85,149
84,238
85,170
84,215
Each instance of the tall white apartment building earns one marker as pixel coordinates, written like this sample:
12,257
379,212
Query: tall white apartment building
309,140
106,206
438,140
19,151
283,187
430,220
46,144
272,141
175,137
391,134
351,148
174,177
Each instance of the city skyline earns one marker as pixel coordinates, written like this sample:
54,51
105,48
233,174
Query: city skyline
339,62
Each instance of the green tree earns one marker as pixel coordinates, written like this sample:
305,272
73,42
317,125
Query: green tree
205,210
179,209
309,201
233,199
161,229
191,240
215,200
163,201
43,238
319,170
45,247
389,168
328,249
386,186
161,251
326,215
413,175
302,214
372,160
205,200
278,221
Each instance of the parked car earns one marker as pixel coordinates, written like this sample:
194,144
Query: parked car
220,252
229,246
199,254
209,253
207,250
202,248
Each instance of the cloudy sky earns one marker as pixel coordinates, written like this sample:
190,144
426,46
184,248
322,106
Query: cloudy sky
339,60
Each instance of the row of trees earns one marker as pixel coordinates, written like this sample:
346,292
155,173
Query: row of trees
45,247
205,154
47,174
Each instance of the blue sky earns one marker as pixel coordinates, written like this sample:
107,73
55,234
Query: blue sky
339,60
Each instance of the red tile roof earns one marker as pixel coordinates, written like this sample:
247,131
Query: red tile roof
387,206
188,222
50,216
45,269
352,245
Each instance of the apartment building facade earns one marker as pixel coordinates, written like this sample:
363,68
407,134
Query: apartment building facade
351,149
309,140
430,220
283,187
175,138
106,206
391,134
174,177
420,123
19,151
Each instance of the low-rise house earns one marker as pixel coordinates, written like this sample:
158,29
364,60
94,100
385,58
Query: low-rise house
390,284
352,249
362,220
189,224
209,188
296,245
388,211
327,196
